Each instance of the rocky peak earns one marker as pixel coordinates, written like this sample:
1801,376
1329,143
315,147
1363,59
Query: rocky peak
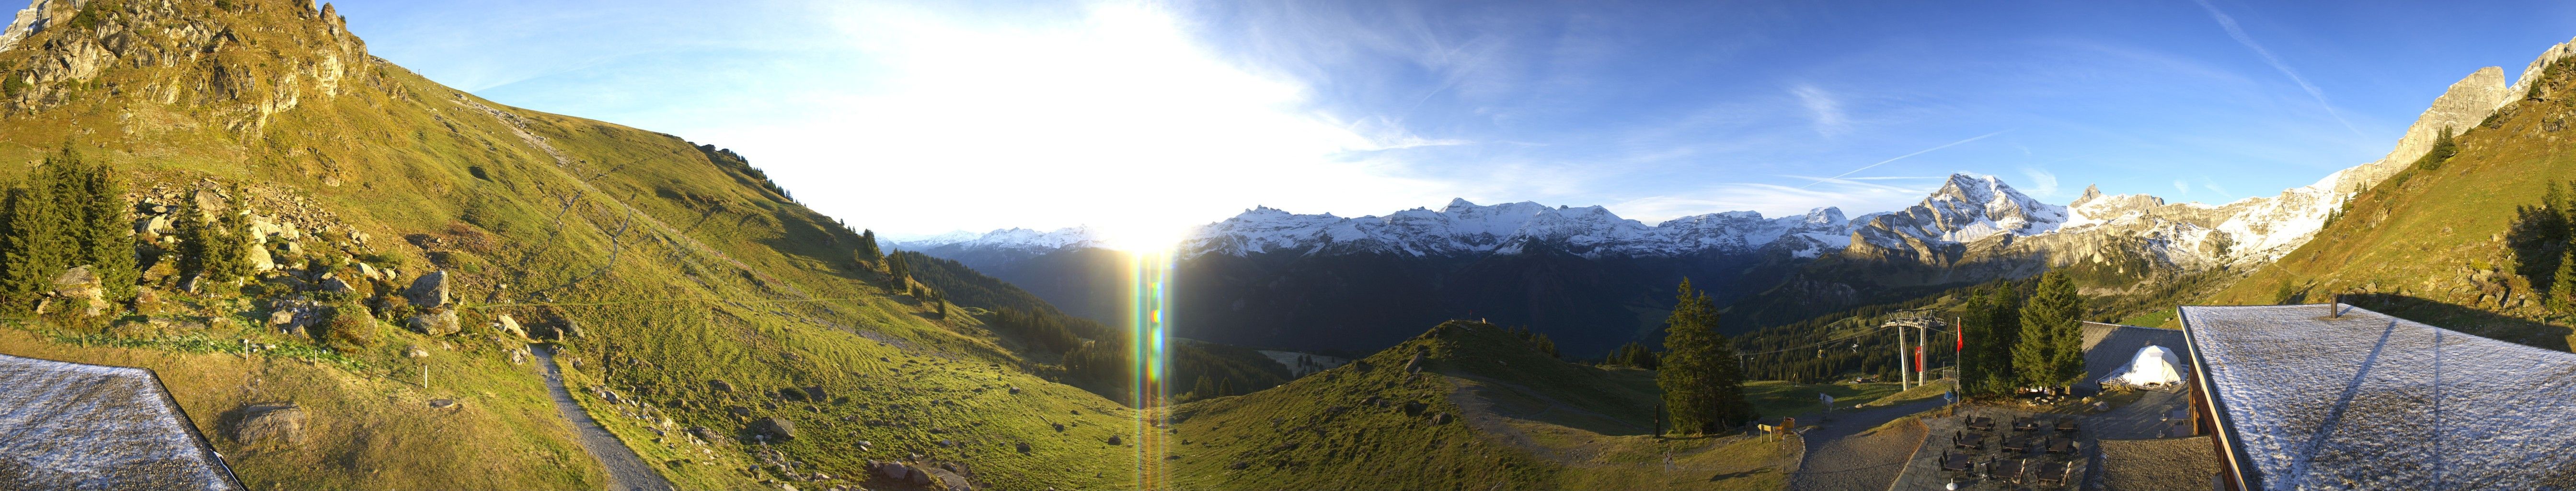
247,59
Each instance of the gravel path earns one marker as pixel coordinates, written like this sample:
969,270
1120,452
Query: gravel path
626,471
1846,455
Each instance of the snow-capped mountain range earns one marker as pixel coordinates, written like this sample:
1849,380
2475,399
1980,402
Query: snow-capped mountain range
1968,216
1965,209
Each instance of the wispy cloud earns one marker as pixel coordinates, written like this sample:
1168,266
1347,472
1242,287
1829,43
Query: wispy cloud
2042,183
2238,33
1821,105
2182,186
1902,157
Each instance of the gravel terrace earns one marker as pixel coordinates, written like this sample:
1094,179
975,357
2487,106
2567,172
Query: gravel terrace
1846,455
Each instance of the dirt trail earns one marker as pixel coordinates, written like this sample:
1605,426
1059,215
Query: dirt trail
626,470
1847,455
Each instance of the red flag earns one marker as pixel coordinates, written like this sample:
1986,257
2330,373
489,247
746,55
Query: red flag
1918,358
1963,340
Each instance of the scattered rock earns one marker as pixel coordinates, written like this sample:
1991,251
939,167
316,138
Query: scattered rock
720,386
942,478
415,351
190,285
1015,390
519,357
1024,447
368,272
274,421
816,393
429,290
1415,366
1059,427
441,403
891,471
774,428
1440,419
334,285
1113,440
438,322
508,325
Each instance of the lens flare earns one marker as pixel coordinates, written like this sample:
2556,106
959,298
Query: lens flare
1148,272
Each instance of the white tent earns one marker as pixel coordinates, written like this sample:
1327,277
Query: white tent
2153,367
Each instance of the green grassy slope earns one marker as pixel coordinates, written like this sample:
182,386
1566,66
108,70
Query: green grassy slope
680,265
1486,412
2438,243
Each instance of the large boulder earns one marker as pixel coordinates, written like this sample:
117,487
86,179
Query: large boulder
439,322
82,291
429,290
272,421
774,428
260,260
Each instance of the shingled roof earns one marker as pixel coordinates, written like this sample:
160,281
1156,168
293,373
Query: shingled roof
75,426
2368,401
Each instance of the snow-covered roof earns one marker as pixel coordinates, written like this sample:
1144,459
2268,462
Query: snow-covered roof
2369,401
75,426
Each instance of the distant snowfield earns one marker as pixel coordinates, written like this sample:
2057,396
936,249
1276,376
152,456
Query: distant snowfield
75,426
2370,401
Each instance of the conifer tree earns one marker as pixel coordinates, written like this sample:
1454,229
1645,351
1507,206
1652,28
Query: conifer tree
36,245
1699,375
868,252
2050,352
895,267
105,237
213,248
2562,291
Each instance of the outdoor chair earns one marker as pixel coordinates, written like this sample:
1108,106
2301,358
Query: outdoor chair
2009,470
2055,473
1954,461
2025,424
2061,446
2066,425
2017,446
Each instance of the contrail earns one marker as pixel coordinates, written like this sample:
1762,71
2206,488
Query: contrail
1902,157
2238,33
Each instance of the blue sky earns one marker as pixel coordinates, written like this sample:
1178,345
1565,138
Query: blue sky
1146,118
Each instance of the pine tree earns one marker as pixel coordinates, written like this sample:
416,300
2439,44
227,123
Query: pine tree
1698,373
2562,291
868,252
35,247
215,249
2050,352
895,267
2443,149
105,237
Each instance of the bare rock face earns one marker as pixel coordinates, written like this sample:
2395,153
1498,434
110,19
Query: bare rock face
429,290
438,322
270,422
